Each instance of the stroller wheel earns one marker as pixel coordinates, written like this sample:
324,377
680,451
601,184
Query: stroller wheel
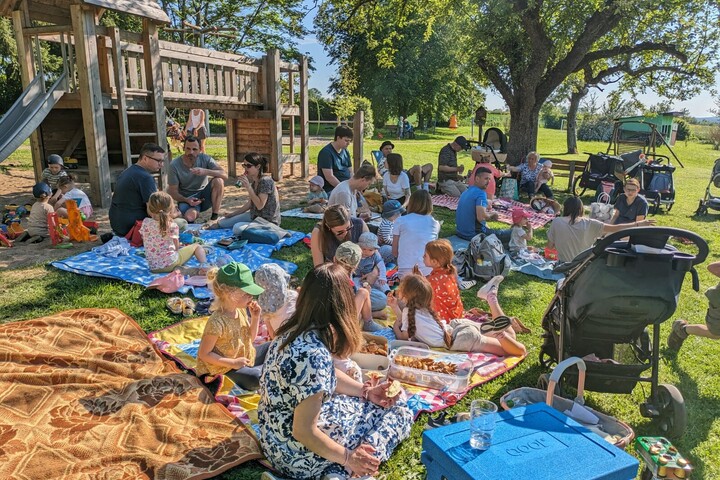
546,360
578,191
673,414
669,206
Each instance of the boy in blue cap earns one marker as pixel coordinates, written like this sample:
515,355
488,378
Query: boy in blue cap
37,226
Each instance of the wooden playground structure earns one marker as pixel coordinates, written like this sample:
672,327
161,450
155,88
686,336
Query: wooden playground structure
117,85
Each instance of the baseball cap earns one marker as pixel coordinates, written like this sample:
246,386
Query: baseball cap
391,208
55,159
386,143
518,214
368,240
40,189
238,275
462,141
348,253
317,180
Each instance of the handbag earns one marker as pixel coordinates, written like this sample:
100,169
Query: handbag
509,188
602,210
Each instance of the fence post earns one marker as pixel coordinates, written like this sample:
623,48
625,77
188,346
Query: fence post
358,135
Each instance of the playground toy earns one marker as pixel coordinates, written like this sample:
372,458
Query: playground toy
64,230
109,96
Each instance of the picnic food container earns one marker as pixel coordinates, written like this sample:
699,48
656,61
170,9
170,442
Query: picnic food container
395,344
610,429
662,458
453,375
372,362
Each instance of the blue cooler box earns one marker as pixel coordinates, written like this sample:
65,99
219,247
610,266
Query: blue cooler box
535,442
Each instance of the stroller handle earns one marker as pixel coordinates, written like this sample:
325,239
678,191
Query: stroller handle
699,242
557,374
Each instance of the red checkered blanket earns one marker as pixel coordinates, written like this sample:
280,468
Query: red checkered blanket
503,206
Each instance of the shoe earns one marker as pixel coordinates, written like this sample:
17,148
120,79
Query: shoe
495,325
677,335
106,237
371,326
36,239
442,420
175,305
466,284
188,307
214,216
518,326
490,286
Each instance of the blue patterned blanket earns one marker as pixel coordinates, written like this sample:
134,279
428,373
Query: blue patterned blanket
133,268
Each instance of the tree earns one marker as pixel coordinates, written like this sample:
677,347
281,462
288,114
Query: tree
10,84
240,25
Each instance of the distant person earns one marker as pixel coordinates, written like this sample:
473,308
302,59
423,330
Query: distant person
196,182
450,180
334,164
400,127
472,213
196,127
133,189
529,171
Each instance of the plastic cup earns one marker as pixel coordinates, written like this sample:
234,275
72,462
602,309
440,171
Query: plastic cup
482,423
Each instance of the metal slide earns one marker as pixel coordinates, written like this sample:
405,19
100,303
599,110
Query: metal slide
27,113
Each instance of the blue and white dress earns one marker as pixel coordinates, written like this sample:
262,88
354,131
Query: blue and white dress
298,371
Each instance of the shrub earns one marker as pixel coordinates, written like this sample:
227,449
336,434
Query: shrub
345,107
683,131
595,130
715,136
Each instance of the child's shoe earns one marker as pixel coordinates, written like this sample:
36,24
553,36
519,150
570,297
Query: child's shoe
490,286
188,307
175,305
496,325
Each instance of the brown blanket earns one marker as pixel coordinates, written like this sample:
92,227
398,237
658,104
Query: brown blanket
83,394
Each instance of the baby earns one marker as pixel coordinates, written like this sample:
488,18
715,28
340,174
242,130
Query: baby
371,269
278,300
317,198
545,175
391,211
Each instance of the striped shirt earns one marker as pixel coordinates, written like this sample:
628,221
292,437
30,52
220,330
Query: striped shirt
51,178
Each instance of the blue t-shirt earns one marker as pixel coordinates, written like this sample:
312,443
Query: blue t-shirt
465,216
339,163
129,201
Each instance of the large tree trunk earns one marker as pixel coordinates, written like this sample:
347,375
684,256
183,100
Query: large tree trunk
523,132
575,99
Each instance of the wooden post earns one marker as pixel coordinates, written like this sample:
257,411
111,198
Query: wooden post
230,126
119,70
358,131
21,19
272,77
304,119
154,81
291,122
83,21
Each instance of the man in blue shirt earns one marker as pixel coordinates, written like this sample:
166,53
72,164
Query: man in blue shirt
334,164
471,215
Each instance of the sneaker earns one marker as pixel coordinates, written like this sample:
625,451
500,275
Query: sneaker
466,284
371,326
490,286
496,325
214,216
677,335
106,237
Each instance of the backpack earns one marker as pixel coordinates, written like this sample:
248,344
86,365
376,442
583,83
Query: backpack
484,258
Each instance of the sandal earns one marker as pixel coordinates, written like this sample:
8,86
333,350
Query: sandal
175,305
188,307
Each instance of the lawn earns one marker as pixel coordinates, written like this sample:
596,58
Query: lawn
42,290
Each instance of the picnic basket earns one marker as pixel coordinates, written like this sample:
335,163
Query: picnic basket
618,433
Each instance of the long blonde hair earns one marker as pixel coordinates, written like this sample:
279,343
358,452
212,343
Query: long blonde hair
417,293
162,205
441,251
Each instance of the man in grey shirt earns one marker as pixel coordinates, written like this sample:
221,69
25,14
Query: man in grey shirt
449,173
196,182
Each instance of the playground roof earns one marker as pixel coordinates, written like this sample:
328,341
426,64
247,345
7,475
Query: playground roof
58,11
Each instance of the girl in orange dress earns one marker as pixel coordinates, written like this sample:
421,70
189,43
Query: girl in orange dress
446,295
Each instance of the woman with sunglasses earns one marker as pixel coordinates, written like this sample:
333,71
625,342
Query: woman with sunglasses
336,227
263,195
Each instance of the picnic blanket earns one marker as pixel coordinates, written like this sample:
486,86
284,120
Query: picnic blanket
133,268
298,213
503,206
83,394
181,341
537,267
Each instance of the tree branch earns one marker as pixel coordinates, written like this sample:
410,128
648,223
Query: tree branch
668,48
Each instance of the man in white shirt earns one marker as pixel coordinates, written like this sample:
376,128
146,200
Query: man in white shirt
346,192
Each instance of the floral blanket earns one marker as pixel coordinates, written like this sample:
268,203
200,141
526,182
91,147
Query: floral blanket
83,394
181,341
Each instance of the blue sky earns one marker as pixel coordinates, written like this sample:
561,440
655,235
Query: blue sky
320,78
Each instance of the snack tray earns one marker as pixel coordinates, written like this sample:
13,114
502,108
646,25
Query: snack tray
457,382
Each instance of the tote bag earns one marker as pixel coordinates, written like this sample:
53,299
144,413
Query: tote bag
509,189
602,210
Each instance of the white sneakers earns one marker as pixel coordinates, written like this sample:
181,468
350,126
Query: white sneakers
490,286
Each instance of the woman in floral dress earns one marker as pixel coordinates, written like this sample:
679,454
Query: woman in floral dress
315,421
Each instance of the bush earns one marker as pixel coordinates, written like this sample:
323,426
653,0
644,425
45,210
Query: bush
683,131
599,130
345,107
551,116
715,136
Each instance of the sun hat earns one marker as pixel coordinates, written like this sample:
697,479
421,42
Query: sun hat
392,208
274,280
238,275
368,240
518,214
386,143
40,189
348,253
462,141
317,180
55,159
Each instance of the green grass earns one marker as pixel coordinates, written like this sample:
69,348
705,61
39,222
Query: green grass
43,290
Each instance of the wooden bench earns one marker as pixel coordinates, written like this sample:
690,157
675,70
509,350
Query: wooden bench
566,168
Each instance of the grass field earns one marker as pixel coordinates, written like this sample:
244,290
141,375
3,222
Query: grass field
42,290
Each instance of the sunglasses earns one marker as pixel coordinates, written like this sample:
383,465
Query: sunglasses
248,165
159,160
343,231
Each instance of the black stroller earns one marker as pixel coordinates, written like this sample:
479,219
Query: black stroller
655,177
711,201
599,168
612,294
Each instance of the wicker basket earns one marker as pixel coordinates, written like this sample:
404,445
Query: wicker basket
527,396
